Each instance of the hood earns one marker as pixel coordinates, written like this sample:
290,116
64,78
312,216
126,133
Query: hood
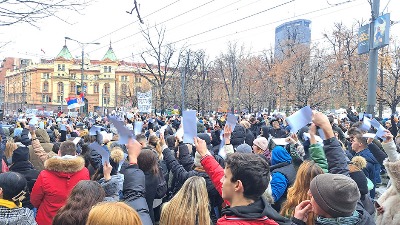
205,137
258,209
20,154
393,170
238,135
280,155
64,165
42,136
265,132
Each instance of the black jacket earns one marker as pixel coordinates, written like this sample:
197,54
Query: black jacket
25,168
152,182
134,192
258,209
249,137
238,135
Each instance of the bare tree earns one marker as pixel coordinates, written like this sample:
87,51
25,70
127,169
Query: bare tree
31,11
231,73
389,93
160,74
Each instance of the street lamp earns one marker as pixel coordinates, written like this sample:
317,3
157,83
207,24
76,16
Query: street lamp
83,45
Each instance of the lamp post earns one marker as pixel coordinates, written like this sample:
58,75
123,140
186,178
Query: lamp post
83,45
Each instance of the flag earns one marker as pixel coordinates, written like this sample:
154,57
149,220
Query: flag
72,103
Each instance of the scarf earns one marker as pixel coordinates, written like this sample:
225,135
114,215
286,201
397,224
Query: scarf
9,204
350,220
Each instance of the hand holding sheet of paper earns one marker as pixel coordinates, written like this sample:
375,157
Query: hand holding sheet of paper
366,124
189,126
123,132
105,155
299,119
34,121
231,120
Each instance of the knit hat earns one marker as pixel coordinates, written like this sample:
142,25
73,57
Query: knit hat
336,194
261,142
197,158
20,154
244,148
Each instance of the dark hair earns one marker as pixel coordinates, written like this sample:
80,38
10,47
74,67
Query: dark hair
148,161
354,131
83,196
141,138
56,147
251,170
12,184
331,119
67,148
362,140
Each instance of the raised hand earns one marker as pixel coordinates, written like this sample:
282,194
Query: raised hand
201,146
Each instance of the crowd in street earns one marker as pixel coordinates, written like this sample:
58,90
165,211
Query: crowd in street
325,173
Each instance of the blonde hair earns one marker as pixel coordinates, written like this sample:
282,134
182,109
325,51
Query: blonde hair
299,191
359,161
10,148
113,213
189,205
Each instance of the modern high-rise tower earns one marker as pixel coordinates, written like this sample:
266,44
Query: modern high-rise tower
291,33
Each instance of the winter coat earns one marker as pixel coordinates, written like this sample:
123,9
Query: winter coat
342,137
260,212
2,146
249,137
44,139
181,175
54,184
134,192
277,133
16,216
379,154
283,175
112,187
317,154
337,164
372,171
25,168
390,199
255,129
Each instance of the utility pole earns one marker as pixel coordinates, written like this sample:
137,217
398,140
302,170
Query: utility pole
372,62
183,77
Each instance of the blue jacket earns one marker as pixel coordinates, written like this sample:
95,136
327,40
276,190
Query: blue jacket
279,182
372,171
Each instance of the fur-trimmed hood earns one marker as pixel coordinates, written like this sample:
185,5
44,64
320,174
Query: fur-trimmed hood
65,164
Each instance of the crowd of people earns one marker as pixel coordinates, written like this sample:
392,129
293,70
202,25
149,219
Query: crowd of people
241,174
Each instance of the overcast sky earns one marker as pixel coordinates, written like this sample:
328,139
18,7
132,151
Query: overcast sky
196,24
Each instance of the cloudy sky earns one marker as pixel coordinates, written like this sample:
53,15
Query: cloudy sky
203,24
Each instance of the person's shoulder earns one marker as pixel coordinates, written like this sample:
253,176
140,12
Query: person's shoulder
230,220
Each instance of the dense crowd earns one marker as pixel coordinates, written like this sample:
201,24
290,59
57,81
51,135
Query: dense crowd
325,173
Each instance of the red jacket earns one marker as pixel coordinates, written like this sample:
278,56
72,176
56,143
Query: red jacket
54,184
268,216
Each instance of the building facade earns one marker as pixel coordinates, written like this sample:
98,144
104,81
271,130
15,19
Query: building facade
289,33
107,83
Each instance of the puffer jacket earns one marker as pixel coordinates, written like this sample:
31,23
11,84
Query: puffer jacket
283,175
390,199
16,216
134,191
112,187
54,184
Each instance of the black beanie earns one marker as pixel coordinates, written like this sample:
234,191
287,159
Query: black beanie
20,154
336,194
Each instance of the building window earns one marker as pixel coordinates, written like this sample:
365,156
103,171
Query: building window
106,89
124,78
106,100
46,98
60,87
59,99
61,67
45,86
73,76
138,80
72,87
123,89
46,76
96,77
96,88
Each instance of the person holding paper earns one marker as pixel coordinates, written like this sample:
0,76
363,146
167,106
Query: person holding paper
55,182
372,171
